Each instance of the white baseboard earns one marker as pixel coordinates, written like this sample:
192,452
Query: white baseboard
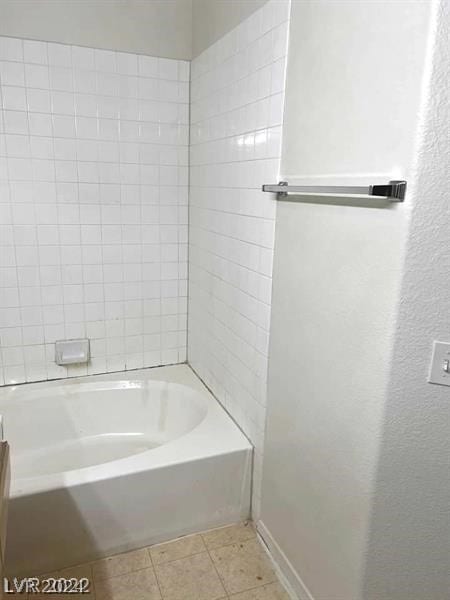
286,572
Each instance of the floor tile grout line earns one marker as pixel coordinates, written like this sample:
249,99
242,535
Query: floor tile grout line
166,562
155,573
230,544
148,548
257,587
201,534
121,574
217,573
91,581
206,550
246,590
189,556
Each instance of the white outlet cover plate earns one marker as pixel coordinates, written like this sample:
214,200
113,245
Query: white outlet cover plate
441,354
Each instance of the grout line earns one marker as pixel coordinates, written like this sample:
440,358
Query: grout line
238,425
208,119
223,583
120,574
228,236
227,282
92,586
153,565
249,68
154,571
101,49
201,534
166,562
221,344
96,72
189,153
216,570
224,211
233,162
229,544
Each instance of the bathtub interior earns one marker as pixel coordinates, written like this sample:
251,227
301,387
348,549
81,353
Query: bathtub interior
69,427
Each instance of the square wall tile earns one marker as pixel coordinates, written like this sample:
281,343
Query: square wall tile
236,112
78,160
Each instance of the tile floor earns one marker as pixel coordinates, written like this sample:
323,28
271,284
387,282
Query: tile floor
225,563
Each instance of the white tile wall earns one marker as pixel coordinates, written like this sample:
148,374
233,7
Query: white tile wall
237,98
93,208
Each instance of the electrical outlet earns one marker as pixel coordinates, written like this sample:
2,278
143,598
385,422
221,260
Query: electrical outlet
440,364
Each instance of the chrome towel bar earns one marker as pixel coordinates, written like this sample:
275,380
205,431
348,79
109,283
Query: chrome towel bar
394,191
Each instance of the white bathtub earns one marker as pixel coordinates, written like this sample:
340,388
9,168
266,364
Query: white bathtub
104,464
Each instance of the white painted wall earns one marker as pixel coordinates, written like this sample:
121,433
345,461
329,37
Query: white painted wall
349,108
168,28
155,27
338,268
237,93
408,554
93,208
212,19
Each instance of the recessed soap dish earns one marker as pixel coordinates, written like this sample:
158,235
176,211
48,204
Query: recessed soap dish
71,352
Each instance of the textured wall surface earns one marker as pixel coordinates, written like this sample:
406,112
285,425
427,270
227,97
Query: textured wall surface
153,27
237,108
338,268
93,208
409,542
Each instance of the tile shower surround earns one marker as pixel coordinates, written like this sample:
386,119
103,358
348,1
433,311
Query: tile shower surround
93,208
237,98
